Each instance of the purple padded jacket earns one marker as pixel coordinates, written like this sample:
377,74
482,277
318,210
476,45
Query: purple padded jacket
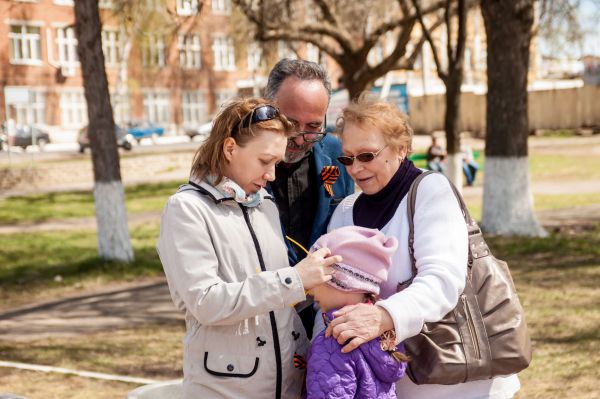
366,372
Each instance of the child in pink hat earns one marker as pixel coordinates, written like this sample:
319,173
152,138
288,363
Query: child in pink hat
372,370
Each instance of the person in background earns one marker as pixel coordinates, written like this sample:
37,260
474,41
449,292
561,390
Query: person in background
372,370
436,156
470,167
226,263
310,182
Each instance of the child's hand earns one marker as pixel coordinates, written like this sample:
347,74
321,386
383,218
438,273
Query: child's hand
316,268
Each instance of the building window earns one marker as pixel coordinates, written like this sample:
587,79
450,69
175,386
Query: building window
121,108
153,51
313,53
222,96
189,51
26,106
254,58
284,50
73,108
221,7
224,54
187,7
157,107
112,47
106,4
66,44
25,44
193,108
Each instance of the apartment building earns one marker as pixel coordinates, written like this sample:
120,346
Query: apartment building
174,76
177,71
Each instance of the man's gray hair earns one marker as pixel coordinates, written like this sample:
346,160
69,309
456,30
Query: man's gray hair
301,69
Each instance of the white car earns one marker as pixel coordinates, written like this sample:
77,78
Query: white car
202,130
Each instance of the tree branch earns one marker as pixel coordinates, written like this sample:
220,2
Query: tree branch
317,40
327,14
461,38
427,34
447,19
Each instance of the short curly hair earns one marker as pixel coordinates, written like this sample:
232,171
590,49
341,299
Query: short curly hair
386,117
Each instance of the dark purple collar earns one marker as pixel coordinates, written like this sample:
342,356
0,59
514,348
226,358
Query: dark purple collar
374,211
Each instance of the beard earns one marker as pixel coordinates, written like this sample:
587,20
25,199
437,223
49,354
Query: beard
295,152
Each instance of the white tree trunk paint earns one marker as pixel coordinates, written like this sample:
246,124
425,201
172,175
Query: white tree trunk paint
507,199
454,170
111,219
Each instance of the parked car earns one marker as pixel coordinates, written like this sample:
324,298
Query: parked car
124,139
24,137
144,129
202,130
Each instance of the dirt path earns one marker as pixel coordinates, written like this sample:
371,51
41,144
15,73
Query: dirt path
125,307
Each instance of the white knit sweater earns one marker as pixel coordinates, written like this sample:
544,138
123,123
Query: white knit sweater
441,253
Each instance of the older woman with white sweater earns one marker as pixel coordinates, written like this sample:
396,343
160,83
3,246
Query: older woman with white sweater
376,139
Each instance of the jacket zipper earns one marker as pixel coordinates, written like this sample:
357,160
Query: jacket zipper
271,313
471,325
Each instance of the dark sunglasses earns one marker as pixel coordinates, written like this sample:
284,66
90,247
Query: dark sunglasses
362,157
262,113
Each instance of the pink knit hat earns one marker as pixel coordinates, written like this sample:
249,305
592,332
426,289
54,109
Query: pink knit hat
367,255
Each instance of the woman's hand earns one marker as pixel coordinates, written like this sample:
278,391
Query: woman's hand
358,323
316,268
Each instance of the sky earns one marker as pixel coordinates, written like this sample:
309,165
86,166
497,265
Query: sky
588,15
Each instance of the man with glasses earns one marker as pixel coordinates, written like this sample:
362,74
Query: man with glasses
301,90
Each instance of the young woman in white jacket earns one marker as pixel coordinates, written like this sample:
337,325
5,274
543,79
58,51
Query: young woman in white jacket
376,139
227,267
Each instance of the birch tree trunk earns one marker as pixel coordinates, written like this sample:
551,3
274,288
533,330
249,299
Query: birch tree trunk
507,198
111,215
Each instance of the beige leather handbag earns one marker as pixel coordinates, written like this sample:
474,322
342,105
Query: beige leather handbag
485,335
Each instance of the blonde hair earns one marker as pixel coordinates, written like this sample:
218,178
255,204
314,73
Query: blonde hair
386,117
210,158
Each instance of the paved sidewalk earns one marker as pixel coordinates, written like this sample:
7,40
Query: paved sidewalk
148,303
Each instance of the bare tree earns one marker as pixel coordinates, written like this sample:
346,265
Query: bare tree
346,30
507,197
451,74
142,22
111,215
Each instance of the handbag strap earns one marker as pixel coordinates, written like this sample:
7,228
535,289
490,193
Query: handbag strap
472,226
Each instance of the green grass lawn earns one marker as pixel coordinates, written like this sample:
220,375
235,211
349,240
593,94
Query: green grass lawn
557,167
557,278
30,263
52,206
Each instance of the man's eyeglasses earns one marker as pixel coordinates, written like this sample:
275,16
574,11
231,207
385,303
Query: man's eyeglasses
362,157
262,113
311,136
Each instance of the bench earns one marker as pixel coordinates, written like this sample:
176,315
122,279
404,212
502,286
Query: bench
422,156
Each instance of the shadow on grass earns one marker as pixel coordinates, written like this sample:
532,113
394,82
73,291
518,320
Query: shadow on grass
557,252
35,260
590,334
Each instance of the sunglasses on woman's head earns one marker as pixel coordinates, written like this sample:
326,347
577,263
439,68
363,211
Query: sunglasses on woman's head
362,157
262,113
